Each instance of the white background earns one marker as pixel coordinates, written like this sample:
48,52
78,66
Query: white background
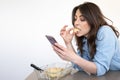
24,24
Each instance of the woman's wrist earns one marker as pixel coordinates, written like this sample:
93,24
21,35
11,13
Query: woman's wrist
68,45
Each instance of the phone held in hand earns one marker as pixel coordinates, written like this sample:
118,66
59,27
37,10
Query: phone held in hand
51,39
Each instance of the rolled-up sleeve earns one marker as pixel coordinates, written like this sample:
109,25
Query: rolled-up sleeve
105,48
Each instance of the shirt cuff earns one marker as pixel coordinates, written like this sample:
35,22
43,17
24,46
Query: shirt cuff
101,70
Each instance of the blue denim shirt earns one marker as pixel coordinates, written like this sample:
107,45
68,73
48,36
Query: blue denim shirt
107,56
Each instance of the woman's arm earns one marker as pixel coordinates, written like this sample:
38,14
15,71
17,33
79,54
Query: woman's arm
70,55
86,65
70,47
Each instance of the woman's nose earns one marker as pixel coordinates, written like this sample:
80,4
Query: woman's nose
76,25
77,21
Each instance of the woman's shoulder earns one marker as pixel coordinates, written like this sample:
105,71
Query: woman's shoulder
105,29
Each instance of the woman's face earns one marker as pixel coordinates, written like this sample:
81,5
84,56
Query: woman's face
81,24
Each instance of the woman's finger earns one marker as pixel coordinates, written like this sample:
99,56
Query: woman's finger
64,28
69,30
60,47
62,31
58,51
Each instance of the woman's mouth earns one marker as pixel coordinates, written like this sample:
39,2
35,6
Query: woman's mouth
76,30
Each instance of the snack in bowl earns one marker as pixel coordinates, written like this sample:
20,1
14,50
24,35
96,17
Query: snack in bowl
75,30
54,72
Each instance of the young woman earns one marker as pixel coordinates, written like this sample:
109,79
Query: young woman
98,48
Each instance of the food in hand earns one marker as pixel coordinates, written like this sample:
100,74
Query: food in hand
54,72
75,30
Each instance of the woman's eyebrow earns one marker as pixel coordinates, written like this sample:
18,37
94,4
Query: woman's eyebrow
81,15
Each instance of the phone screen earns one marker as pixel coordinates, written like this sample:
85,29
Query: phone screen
51,39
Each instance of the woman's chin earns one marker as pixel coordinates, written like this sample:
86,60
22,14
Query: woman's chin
78,35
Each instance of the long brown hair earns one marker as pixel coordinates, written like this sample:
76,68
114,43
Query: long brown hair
95,19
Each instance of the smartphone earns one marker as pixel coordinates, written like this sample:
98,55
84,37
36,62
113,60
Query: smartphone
51,39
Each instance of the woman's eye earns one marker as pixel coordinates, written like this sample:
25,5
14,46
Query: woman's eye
82,19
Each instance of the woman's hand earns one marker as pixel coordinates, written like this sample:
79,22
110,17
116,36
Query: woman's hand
66,34
70,55
64,53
